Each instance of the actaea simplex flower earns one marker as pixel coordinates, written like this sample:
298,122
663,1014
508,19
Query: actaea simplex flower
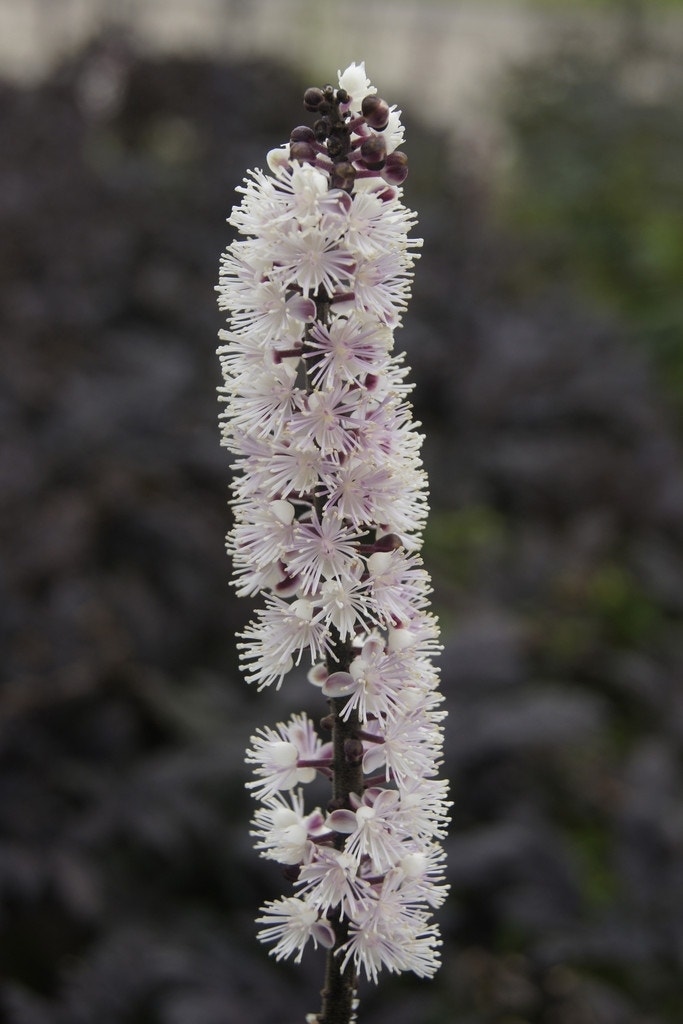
329,503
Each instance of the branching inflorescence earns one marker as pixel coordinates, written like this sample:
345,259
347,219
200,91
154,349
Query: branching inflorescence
329,501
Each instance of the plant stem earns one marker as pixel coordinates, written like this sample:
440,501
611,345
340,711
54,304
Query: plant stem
340,985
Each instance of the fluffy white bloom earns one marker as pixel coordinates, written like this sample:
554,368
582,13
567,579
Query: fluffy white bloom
390,932
278,755
371,828
332,879
372,684
321,549
348,349
290,923
329,500
280,631
283,829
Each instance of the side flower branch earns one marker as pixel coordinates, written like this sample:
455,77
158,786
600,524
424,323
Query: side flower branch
329,503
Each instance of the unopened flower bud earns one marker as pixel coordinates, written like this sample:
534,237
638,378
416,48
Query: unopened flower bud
395,170
302,133
302,151
313,98
376,112
374,152
343,175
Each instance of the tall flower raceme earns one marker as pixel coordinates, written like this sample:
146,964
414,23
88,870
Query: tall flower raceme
329,501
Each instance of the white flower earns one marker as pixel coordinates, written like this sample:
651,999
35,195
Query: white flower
345,604
283,829
411,748
278,754
389,932
321,549
424,807
291,922
280,631
347,349
378,225
398,585
421,875
372,829
313,260
327,419
331,879
263,532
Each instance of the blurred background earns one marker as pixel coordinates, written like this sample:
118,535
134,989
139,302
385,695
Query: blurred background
546,339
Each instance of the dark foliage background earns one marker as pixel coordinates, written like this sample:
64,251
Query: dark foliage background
546,368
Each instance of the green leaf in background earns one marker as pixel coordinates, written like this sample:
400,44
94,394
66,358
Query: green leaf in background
595,185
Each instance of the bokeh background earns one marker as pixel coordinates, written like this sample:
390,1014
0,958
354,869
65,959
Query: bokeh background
546,337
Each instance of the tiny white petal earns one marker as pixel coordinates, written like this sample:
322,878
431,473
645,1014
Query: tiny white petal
342,821
278,158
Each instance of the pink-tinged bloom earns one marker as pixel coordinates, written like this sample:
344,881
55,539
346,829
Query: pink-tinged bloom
347,350
284,832
373,830
331,878
290,923
329,500
278,753
387,933
321,549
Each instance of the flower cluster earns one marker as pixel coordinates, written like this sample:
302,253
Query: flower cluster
329,501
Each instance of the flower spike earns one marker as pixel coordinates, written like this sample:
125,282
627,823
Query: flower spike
329,500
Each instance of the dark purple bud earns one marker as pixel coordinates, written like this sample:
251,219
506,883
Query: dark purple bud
328,93
327,722
342,96
303,151
395,170
375,112
343,176
313,98
374,152
302,133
